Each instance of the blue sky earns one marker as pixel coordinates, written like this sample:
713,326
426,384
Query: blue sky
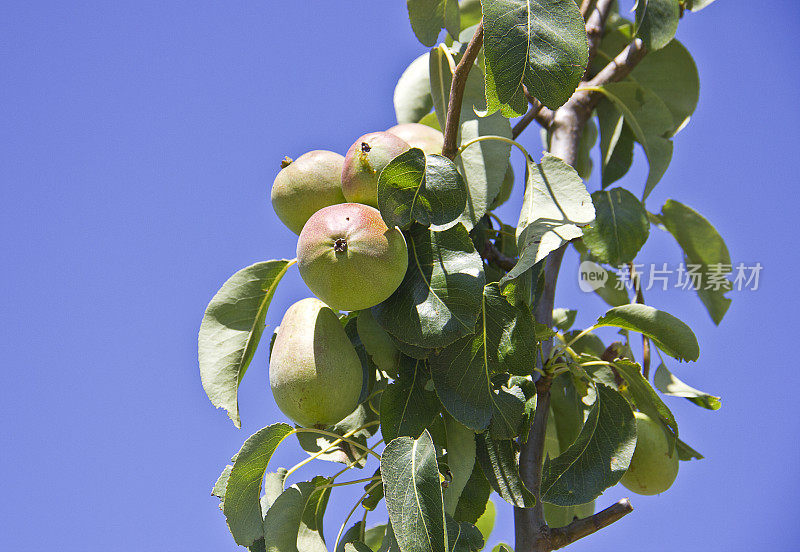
138,144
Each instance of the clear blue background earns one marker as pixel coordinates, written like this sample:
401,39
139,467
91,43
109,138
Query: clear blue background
138,142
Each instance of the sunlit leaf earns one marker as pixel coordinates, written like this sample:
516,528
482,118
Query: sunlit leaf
539,44
231,329
412,95
620,227
666,382
670,334
656,22
439,299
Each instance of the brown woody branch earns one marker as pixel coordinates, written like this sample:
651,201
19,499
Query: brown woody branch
457,93
580,528
532,532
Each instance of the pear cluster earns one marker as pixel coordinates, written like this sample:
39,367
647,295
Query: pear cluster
347,256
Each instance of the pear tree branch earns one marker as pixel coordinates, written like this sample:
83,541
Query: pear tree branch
457,93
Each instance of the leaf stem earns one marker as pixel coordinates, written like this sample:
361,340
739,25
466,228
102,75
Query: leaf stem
493,137
339,439
341,529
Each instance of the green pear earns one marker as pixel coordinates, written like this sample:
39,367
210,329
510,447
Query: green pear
349,258
306,185
364,162
420,136
505,189
653,469
314,371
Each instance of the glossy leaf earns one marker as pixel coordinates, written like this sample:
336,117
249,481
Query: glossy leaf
484,163
429,17
539,44
656,22
412,94
666,382
702,245
499,463
439,299
463,536
651,122
410,476
598,458
620,228
241,507
555,206
460,459
504,341
407,407
356,547
670,334
231,329
415,187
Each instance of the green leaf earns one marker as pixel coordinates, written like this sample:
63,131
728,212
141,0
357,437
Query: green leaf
599,456
563,319
241,506
460,459
373,537
651,123
697,5
670,334
670,73
378,343
471,13
410,476
463,536
412,95
474,498
657,22
221,483
502,547
294,521
539,44
504,341
702,245
374,493
485,523
686,453
484,163
612,292
583,163
556,204
620,228
424,188
616,143
439,298
407,407
567,410
429,17
357,547
499,463
351,536
668,384
231,328
343,453
644,396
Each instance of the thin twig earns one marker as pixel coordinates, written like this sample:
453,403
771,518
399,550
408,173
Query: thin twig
528,118
457,93
586,8
584,527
